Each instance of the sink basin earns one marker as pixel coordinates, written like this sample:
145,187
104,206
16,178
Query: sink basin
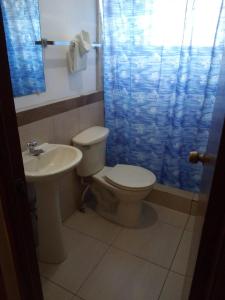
56,160
45,172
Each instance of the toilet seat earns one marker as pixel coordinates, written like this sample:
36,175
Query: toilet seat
129,177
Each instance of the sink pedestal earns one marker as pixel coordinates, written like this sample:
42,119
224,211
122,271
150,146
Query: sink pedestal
51,244
45,171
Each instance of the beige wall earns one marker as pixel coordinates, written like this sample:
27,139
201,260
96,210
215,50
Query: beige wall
60,129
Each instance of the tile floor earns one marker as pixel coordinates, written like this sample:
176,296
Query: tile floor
109,262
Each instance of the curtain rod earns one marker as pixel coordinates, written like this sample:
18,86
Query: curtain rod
45,42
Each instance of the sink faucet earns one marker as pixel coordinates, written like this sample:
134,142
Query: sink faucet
31,147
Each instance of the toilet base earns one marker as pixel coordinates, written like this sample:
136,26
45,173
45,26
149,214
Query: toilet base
125,213
125,216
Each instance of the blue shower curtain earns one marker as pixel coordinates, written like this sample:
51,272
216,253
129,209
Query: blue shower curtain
22,28
161,67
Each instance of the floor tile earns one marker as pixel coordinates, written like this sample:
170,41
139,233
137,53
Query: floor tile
173,288
83,255
157,243
186,288
121,276
170,216
54,292
190,224
94,225
182,257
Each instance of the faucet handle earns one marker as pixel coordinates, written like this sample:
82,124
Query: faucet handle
32,144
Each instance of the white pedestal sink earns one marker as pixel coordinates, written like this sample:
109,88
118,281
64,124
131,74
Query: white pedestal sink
45,172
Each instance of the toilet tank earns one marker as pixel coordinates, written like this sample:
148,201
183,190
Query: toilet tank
92,143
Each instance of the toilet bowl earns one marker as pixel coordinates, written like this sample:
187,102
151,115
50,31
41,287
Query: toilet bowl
119,190
121,200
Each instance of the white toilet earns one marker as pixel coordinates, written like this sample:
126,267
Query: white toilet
119,190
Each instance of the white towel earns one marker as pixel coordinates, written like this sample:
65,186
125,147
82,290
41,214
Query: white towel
77,54
84,42
76,61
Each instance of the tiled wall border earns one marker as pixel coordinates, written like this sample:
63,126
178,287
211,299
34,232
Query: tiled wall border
42,112
174,198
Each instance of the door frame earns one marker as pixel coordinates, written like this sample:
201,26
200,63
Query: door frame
13,192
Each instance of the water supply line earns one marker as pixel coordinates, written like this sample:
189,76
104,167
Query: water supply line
85,183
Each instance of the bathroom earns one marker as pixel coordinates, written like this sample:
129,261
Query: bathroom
139,81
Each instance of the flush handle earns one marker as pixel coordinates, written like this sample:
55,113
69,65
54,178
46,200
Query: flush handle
196,157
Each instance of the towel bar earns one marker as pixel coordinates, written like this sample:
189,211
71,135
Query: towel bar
45,42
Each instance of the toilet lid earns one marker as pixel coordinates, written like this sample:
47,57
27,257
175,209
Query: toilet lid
130,177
